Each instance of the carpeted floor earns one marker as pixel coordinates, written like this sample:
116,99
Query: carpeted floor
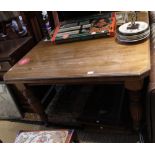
9,130
93,137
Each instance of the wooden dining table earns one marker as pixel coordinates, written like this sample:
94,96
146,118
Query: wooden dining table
98,61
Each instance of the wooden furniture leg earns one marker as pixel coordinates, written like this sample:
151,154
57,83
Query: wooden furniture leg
134,91
33,102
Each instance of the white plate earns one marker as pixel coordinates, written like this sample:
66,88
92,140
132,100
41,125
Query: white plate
134,36
133,40
142,27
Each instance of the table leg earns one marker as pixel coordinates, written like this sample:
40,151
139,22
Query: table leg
134,91
33,102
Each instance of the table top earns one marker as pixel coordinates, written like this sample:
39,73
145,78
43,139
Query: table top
103,58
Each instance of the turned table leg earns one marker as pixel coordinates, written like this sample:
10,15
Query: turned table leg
135,106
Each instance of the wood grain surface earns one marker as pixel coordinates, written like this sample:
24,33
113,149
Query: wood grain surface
99,58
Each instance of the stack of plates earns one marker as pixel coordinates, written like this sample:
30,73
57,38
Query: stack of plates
140,32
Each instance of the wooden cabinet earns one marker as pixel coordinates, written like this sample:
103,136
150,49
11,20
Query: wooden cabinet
10,52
